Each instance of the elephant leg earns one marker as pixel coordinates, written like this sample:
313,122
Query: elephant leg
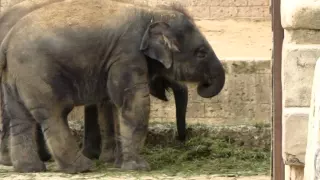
106,122
5,158
61,142
92,138
23,147
133,123
43,150
109,124
41,144
51,113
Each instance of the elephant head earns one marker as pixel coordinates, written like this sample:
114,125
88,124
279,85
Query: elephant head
178,50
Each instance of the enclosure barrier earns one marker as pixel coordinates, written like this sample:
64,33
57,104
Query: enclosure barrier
204,9
301,49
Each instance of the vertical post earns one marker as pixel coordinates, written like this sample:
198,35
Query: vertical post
278,34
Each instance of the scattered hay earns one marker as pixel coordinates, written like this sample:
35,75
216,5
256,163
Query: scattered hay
236,150
211,150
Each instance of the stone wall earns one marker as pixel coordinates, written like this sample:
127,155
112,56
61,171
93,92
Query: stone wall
221,9
206,9
301,49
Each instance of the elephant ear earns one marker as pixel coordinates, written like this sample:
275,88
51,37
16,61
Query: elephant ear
159,42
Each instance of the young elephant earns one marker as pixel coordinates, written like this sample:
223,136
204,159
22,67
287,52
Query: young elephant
83,52
158,85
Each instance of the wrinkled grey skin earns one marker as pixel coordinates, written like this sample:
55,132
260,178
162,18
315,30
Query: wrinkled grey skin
73,64
92,139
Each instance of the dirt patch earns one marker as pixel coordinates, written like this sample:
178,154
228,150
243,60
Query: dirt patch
236,38
98,176
9,175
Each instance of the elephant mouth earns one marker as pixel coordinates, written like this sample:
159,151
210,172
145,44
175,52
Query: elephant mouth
211,87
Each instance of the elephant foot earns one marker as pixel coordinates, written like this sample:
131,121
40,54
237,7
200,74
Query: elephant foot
139,164
107,156
82,164
5,159
118,162
44,156
25,167
91,153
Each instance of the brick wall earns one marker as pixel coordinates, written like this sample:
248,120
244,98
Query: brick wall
221,9
206,9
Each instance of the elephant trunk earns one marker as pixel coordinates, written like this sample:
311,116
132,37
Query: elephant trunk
212,85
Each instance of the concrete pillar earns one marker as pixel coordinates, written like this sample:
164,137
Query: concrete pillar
312,152
301,49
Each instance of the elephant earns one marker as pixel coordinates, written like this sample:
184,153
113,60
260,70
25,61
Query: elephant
91,143
79,56
158,85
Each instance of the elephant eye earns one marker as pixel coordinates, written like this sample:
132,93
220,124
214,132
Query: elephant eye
201,53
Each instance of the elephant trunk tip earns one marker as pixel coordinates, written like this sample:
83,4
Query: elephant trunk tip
211,88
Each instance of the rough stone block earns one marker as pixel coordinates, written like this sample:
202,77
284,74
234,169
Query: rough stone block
263,88
219,12
242,88
240,3
263,113
161,2
205,2
199,12
259,11
195,110
298,67
258,2
247,66
239,113
232,3
304,14
294,172
302,36
295,131
313,138
244,12
143,2
162,110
